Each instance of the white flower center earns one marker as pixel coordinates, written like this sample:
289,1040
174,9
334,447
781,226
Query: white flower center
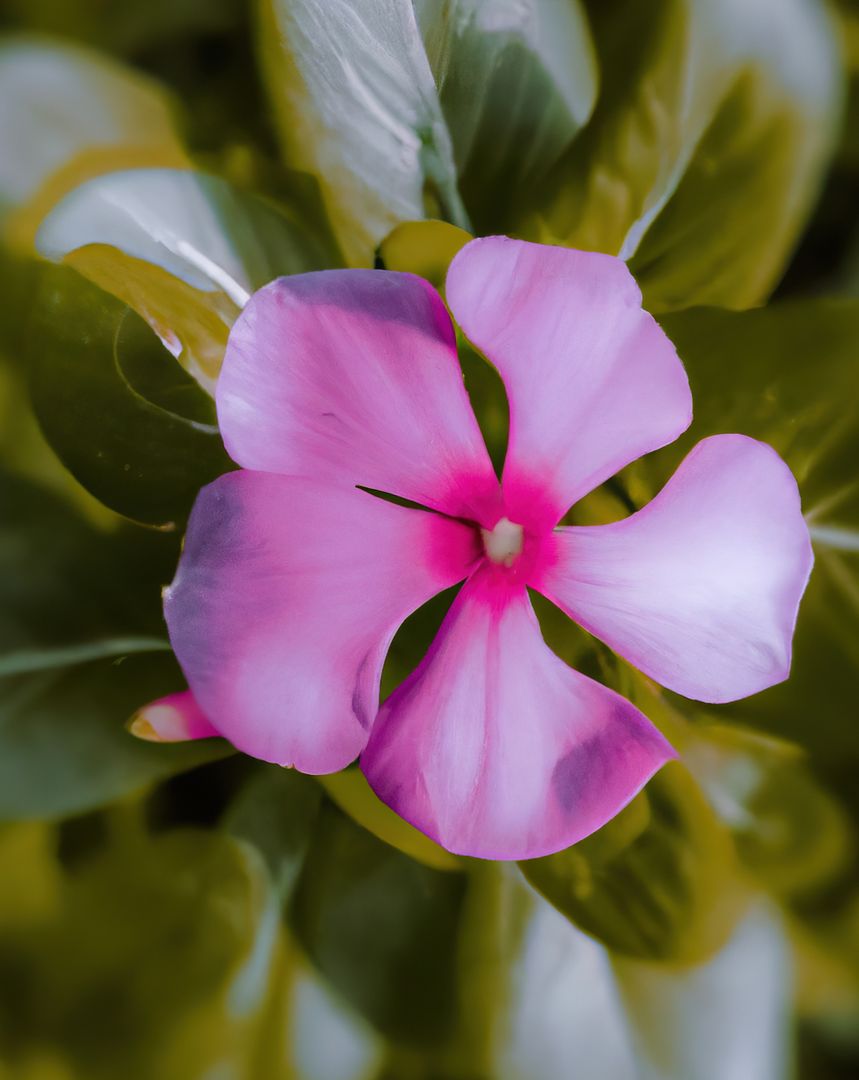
503,543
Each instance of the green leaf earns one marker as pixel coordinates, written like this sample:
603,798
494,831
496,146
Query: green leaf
184,249
64,744
659,882
381,928
158,960
706,148
70,114
142,459
516,81
390,103
276,812
787,374
70,592
26,661
124,28
351,792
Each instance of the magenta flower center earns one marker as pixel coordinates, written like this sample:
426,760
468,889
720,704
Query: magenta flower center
503,544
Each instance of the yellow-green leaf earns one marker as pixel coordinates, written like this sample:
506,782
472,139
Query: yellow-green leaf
425,248
706,148
355,797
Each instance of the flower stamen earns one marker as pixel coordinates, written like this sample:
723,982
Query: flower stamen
503,544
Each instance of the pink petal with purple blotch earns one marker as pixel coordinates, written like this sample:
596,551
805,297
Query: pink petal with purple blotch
497,749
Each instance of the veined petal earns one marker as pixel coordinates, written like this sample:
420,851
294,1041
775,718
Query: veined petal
497,749
700,589
592,380
352,376
287,595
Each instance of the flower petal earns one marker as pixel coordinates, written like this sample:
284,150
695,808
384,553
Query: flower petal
175,718
592,380
287,595
352,376
496,749
700,589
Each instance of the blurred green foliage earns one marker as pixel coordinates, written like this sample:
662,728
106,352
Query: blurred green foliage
182,912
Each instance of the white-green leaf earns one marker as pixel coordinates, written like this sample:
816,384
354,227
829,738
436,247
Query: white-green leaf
562,1007
401,108
184,249
727,1018
357,107
68,114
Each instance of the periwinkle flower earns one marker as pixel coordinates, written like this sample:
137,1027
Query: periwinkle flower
294,579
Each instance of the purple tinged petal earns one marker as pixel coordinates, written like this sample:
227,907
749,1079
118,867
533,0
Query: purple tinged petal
286,598
700,589
592,380
497,749
352,377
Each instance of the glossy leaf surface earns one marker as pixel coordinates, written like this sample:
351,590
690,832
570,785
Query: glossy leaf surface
143,452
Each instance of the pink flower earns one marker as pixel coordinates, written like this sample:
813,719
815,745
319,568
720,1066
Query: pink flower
293,580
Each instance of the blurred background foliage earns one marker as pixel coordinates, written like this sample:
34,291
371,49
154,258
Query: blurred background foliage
183,912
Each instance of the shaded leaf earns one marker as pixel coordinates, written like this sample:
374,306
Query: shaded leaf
706,148
788,375
657,884
65,747
184,249
381,928
142,459
26,661
276,812
124,27
66,587
516,81
788,830
190,903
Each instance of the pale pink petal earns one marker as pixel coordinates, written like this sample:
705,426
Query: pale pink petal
495,748
175,718
352,376
700,589
287,595
592,380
